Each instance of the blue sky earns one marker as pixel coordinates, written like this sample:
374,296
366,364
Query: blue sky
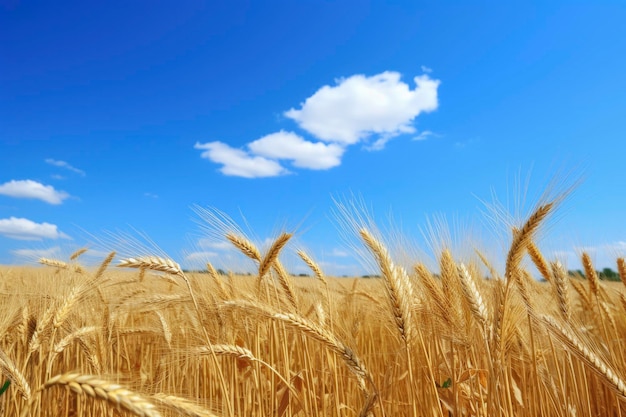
121,116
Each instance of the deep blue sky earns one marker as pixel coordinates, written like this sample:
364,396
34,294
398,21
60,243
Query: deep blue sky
119,115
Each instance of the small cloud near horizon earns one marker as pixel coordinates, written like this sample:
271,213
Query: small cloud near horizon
25,229
33,189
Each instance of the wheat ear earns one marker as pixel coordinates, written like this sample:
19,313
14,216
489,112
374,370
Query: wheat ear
473,297
155,263
317,271
54,263
621,269
107,391
597,364
539,261
522,238
245,246
271,255
183,406
316,332
590,274
14,374
77,253
285,283
559,282
223,294
436,293
399,288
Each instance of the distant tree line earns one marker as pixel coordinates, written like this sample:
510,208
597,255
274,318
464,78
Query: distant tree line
606,274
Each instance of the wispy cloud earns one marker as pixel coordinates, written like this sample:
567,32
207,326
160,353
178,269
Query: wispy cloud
199,257
65,165
338,253
206,243
150,195
425,134
37,253
360,106
25,229
425,69
374,109
33,189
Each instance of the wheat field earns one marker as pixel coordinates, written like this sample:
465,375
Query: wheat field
142,337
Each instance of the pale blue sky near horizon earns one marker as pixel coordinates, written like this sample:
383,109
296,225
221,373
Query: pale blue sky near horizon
121,117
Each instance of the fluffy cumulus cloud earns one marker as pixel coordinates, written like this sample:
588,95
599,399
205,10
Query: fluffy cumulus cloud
65,165
360,106
303,154
239,163
32,189
25,229
261,159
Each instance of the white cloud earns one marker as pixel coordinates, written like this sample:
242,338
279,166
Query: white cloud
304,154
24,229
360,106
206,243
33,189
63,164
150,195
426,69
199,257
37,253
237,162
339,253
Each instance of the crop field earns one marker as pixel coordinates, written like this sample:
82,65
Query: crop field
149,339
